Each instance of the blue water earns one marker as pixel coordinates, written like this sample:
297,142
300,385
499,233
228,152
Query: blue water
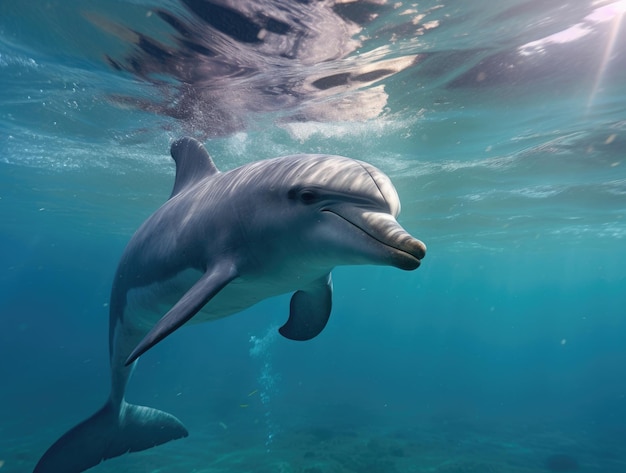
503,127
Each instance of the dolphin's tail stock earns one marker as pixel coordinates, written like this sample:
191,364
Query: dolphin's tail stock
110,432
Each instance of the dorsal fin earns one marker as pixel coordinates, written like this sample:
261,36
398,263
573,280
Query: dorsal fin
192,163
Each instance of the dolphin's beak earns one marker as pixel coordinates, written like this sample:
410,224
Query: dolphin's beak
400,248
406,251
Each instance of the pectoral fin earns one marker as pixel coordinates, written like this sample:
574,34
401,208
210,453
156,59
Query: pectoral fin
309,311
212,282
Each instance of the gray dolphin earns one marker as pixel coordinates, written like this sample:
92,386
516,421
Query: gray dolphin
221,243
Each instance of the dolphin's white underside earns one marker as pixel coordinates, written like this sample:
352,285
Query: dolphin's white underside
146,305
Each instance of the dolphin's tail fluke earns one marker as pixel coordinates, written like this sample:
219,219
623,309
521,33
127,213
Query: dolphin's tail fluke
110,432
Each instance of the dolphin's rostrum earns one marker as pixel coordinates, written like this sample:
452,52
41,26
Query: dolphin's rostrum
221,243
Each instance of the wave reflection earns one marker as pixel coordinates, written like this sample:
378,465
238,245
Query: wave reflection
224,62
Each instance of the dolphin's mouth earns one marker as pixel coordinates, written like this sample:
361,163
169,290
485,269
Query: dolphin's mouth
406,252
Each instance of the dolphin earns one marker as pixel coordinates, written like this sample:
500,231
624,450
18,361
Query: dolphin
222,242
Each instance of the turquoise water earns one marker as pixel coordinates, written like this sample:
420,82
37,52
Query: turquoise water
503,127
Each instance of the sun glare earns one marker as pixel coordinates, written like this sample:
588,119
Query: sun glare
609,15
613,12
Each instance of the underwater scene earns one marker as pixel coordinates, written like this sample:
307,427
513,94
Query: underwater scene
459,166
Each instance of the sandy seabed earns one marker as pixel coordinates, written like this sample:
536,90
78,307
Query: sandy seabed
443,446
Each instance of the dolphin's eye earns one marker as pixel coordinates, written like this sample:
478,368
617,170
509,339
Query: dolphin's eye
308,196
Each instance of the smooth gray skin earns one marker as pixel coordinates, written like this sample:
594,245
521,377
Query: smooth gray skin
221,243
